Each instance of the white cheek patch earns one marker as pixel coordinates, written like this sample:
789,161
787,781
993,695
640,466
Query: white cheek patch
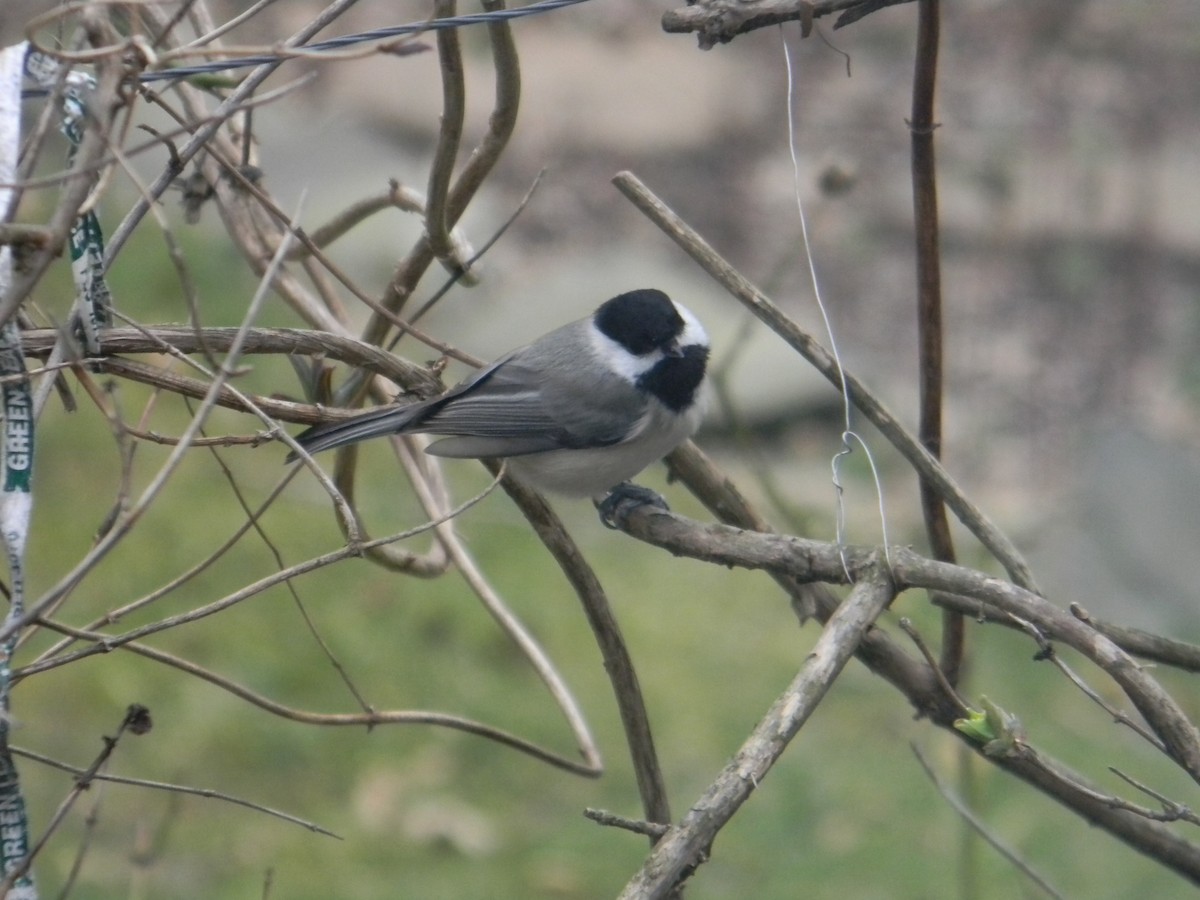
694,334
617,359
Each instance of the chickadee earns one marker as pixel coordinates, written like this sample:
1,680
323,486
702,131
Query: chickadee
577,412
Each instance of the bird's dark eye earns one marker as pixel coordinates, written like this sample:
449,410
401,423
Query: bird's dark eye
640,321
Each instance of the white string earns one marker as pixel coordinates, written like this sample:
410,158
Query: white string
848,434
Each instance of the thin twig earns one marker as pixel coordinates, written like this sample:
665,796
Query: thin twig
137,722
1172,811
908,628
116,615
254,519
173,788
1048,653
652,830
981,828
424,474
110,642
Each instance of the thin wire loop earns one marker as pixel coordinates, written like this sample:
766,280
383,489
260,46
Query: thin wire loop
849,435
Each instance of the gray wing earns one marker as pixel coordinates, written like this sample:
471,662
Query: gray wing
544,397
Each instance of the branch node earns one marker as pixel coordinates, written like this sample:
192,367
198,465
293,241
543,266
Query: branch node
654,830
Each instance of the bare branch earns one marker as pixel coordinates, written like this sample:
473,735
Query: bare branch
173,788
1167,651
617,662
368,719
817,561
293,341
720,21
683,846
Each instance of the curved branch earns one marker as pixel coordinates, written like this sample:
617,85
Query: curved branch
368,719
438,218
617,662
502,120
483,159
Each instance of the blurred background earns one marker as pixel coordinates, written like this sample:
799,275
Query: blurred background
1069,187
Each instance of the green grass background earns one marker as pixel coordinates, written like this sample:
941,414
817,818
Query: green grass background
426,812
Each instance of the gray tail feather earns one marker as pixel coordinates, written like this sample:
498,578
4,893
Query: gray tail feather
373,423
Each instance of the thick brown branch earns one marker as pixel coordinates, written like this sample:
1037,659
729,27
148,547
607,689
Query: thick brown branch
818,561
814,560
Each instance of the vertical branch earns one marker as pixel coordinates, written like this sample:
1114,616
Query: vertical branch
502,120
454,110
477,167
929,308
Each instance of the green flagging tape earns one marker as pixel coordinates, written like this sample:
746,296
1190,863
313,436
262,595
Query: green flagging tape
16,499
18,415
14,821
93,302
16,504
